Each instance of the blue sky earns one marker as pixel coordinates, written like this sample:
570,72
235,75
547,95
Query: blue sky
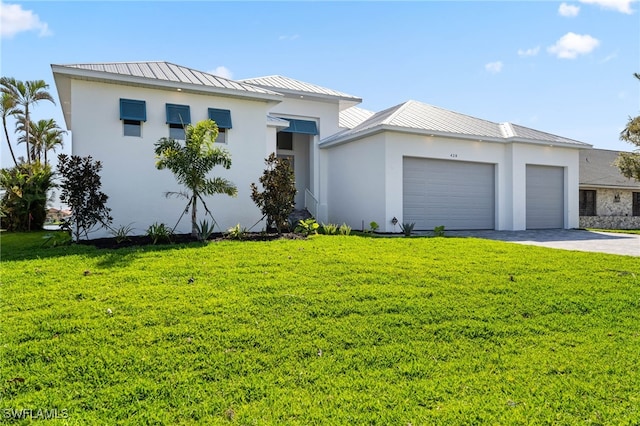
561,67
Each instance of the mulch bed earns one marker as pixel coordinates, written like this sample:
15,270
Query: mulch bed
143,240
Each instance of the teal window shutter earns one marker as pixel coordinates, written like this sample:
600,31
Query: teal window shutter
134,110
222,117
178,114
301,126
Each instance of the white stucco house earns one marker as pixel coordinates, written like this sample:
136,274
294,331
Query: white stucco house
413,162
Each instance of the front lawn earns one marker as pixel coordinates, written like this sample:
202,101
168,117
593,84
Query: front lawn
327,330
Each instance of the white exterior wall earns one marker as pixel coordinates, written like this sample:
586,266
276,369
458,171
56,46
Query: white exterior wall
129,177
326,115
544,155
357,187
366,176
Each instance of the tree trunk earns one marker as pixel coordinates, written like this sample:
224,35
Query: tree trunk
194,229
6,133
27,125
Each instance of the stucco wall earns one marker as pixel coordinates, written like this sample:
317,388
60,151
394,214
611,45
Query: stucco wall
380,157
134,186
356,183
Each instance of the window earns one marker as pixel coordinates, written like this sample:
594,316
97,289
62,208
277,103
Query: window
284,141
178,116
222,117
587,202
636,203
132,128
132,114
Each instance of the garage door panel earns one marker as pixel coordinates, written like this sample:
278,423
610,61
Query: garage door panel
456,194
545,197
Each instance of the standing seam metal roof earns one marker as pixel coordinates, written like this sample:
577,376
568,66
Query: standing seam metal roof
352,117
419,116
167,71
286,83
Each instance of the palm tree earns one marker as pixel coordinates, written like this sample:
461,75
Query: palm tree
43,133
52,139
192,162
26,94
8,107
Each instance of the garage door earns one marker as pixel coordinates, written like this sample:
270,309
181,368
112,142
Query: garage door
456,194
545,197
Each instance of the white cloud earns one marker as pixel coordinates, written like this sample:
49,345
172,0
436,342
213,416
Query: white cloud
289,37
529,52
494,67
14,20
568,10
222,71
571,45
623,6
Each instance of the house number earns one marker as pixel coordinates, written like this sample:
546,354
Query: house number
453,155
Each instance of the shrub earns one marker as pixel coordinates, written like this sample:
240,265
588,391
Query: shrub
277,199
328,229
344,229
80,190
407,228
236,232
373,226
307,227
159,233
438,231
24,202
122,233
204,230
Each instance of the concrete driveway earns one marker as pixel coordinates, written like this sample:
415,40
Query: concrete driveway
566,239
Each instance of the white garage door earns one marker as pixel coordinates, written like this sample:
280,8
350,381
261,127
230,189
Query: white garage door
545,197
456,194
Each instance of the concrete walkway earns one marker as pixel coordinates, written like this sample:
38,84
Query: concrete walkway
567,239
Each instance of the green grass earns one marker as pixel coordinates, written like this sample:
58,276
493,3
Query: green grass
617,231
324,331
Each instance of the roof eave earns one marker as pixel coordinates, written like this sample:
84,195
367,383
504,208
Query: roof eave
422,132
153,83
574,145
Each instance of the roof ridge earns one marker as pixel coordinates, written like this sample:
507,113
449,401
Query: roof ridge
506,129
400,107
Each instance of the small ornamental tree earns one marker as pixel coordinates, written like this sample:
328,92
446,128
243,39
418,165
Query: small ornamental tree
192,161
629,162
277,200
80,190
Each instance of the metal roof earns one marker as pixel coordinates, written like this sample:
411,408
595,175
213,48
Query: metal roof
168,72
279,83
351,117
418,117
597,170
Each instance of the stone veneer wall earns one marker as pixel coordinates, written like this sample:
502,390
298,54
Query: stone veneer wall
606,206
610,222
612,214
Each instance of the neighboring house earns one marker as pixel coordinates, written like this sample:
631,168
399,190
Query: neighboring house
410,163
608,200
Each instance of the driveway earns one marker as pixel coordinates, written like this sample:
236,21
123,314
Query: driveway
566,239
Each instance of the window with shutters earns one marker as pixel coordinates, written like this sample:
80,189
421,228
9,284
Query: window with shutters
132,113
